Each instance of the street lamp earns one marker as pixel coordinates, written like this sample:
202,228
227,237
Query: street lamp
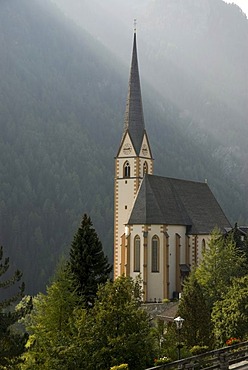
179,323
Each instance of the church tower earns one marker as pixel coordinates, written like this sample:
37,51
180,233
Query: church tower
133,161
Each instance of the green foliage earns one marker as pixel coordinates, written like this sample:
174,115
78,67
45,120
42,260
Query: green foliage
169,342
193,307
120,367
49,325
118,330
61,124
11,340
87,264
221,262
198,350
161,361
230,313
63,335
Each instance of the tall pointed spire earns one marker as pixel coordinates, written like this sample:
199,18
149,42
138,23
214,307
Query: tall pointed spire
134,119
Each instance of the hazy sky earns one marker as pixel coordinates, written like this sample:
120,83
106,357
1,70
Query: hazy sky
243,4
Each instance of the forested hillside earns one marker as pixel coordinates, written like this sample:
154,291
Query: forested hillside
58,106
62,104
194,53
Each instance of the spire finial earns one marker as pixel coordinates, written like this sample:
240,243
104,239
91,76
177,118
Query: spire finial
135,25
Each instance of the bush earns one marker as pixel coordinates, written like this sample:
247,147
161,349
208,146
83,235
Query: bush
120,367
232,341
198,350
166,300
161,361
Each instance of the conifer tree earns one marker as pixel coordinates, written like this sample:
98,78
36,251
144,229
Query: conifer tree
11,342
87,263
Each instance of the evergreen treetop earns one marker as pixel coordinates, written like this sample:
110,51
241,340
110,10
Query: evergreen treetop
87,263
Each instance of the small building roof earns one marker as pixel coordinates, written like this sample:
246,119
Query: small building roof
168,201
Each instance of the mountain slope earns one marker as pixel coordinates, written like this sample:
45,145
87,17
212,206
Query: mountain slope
62,105
193,53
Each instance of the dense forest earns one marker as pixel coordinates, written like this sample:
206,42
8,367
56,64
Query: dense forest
62,105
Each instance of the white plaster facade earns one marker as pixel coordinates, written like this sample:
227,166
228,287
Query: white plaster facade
126,186
162,254
175,248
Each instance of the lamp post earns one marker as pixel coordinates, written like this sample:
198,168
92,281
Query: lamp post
179,323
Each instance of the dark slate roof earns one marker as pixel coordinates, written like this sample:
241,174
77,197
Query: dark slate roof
163,200
244,229
134,119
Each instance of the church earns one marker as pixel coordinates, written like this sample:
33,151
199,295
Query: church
161,225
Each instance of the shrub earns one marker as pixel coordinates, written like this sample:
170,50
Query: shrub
161,361
120,367
232,340
198,350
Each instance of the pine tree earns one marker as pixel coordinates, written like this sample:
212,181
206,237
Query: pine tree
11,342
87,263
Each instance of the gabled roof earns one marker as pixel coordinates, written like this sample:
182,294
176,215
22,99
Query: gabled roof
134,119
168,201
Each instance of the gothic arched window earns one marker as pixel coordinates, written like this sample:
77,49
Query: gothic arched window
155,254
145,168
126,169
136,266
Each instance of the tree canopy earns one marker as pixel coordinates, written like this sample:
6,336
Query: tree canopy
193,307
230,313
221,262
64,335
49,325
119,330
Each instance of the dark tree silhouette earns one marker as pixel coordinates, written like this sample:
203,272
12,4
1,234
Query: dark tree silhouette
87,263
11,342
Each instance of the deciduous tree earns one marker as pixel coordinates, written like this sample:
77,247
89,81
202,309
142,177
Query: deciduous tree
49,325
221,262
230,314
193,307
119,329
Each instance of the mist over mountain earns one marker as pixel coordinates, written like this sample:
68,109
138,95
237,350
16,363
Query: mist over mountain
194,53
62,109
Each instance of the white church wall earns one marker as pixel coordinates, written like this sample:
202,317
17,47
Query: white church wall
155,279
172,231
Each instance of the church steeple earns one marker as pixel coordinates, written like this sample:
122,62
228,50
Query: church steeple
133,161
134,119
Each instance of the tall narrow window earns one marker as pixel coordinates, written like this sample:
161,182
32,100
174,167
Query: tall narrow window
145,168
203,246
136,254
195,250
155,254
126,169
